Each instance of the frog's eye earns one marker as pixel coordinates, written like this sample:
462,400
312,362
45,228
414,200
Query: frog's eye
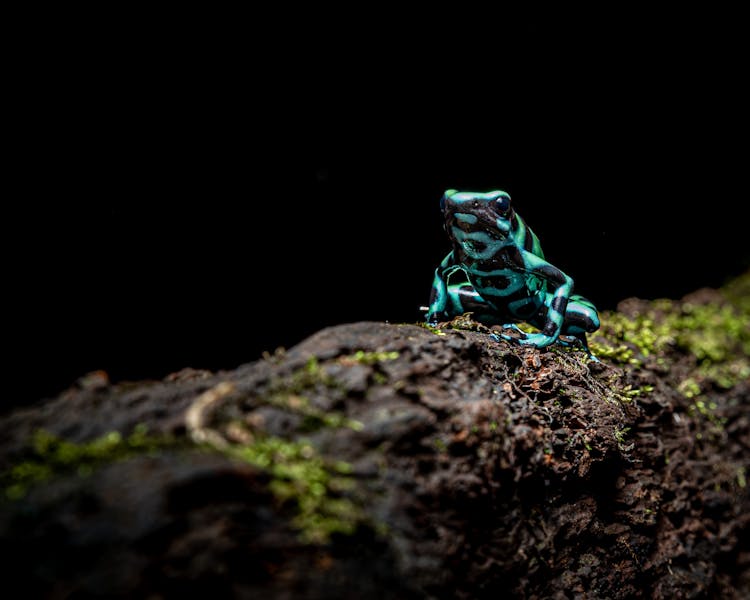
502,204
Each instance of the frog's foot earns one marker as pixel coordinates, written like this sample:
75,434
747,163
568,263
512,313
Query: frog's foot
538,340
585,346
578,341
434,318
511,338
497,334
569,341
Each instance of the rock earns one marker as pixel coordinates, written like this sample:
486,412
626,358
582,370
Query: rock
376,461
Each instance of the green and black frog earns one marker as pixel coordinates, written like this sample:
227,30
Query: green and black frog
497,271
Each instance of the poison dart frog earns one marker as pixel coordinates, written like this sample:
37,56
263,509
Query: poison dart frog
497,271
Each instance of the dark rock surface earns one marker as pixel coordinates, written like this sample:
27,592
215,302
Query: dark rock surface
377,461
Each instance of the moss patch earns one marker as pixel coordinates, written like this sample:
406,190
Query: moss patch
292,394
299,475
50,455
315,487
319,492
627,340
433,328
715,333
370,358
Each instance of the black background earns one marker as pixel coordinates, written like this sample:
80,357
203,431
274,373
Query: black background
191,190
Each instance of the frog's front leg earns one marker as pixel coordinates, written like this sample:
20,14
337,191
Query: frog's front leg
555,302
439,296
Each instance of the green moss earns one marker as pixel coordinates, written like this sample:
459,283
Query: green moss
440,444
713,333
318,491
299,475
716,333
737,292
689,388
706,410
620,436
628,392
290,394
371,358
726,375
621,338
432,328
619,353
50,455
313,418
316,488
309,376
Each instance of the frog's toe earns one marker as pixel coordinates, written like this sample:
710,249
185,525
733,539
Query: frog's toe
514,328
538,340
580,341
504,336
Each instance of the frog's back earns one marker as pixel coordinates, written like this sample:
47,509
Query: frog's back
525,238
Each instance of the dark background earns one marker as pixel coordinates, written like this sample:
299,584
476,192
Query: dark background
194,190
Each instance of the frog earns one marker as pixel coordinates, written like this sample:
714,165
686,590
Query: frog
496,270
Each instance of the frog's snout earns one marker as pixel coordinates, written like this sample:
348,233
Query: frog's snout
446,195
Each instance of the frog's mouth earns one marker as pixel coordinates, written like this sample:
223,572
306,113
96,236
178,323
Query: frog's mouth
474,246
489,230
494,234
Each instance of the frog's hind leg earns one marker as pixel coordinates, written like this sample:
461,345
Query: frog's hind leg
523,309
581,318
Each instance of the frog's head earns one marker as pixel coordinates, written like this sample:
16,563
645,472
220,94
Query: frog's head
477,222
